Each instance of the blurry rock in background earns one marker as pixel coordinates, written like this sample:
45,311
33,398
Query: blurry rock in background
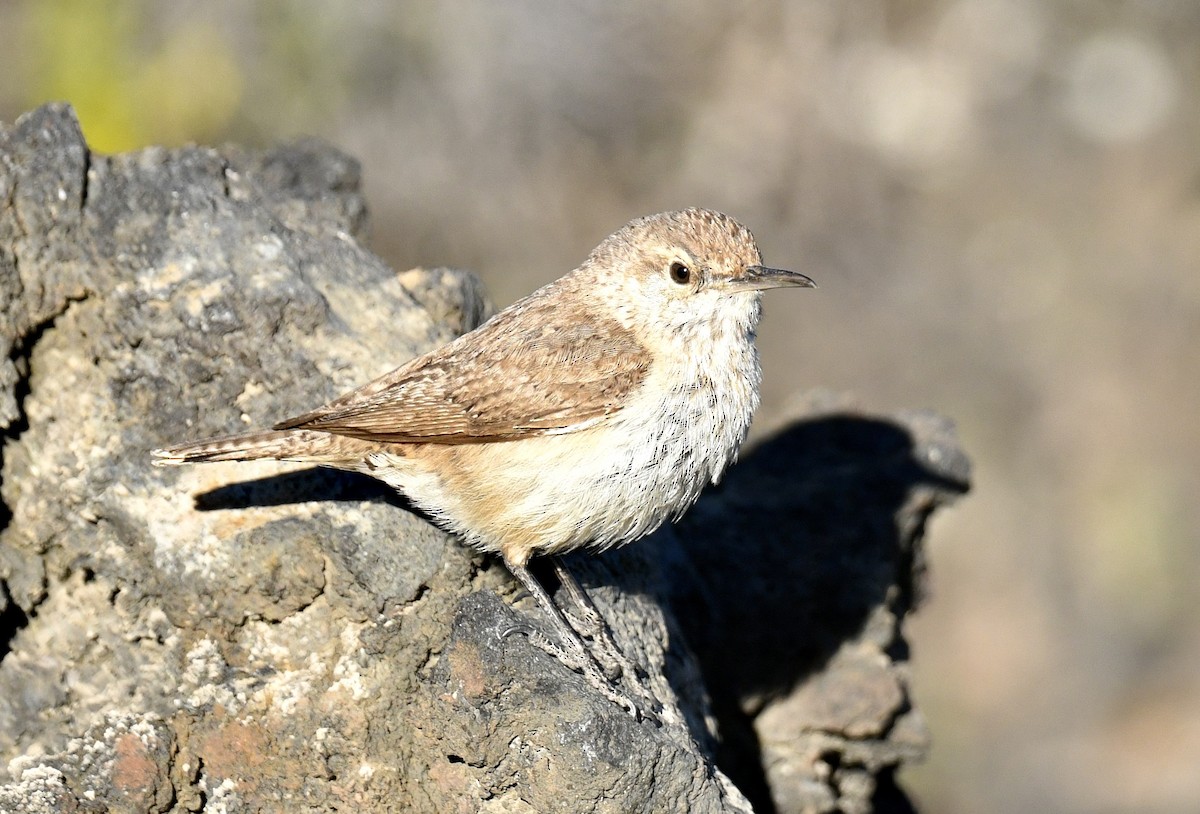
998,198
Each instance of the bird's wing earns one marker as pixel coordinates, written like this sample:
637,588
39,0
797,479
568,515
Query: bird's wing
526,372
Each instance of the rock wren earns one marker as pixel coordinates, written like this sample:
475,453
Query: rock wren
583,415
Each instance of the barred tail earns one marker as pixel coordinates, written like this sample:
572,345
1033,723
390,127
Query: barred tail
287,445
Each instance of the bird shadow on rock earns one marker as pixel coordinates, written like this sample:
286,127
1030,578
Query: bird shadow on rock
804,542
302,486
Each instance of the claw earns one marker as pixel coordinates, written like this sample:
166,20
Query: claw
516,627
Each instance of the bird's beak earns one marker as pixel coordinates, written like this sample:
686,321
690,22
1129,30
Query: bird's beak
759,278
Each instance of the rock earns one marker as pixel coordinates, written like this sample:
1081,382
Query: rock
261,636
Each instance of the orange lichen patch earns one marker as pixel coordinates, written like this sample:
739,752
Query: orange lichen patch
134,770
237,751
466,667
453,780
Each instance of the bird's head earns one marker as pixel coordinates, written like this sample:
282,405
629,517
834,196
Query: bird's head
687,271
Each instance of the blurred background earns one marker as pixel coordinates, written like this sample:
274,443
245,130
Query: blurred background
1000,200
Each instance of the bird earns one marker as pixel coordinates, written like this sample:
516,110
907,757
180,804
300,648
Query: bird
583,416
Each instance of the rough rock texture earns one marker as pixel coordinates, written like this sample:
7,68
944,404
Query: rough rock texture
257,637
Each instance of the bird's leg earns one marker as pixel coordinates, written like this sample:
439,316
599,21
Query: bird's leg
601,634
591,622
574,653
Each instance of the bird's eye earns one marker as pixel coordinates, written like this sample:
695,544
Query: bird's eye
680,273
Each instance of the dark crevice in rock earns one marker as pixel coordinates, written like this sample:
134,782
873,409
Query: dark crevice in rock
739,753
5,512
22,347
13,619
833,760
22,350
201,795
889,724
889,797
20,354
84,180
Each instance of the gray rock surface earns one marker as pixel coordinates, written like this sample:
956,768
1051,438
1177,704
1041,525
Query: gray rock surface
262,637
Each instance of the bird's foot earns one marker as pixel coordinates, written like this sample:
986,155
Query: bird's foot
580,661
611,660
